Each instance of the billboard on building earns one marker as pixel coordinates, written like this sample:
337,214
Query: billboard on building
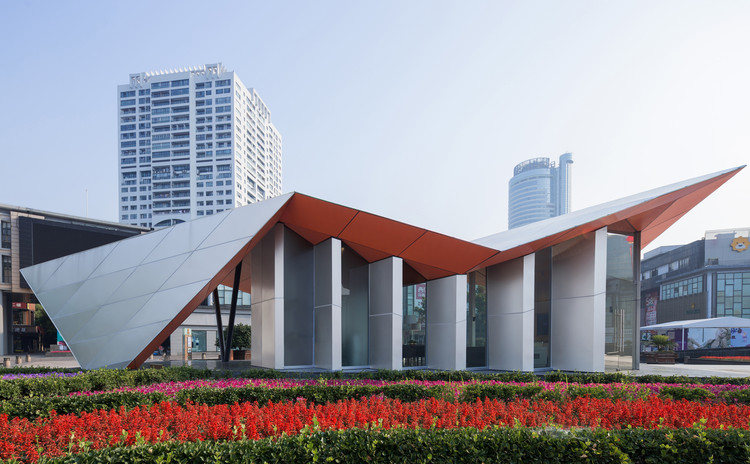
718,337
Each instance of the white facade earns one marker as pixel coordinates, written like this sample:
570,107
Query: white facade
191,143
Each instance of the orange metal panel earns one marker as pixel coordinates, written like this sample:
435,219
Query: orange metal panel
368,254
446,252
379,233
642,220
317,215
430,272
311,236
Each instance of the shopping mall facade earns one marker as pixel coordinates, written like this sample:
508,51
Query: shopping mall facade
338,288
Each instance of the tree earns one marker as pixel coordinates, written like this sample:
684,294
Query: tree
241,336
662,342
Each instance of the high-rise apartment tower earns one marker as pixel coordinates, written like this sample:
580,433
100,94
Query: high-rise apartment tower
193,142
538,190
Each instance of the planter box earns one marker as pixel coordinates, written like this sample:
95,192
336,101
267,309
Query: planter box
660,357
241,355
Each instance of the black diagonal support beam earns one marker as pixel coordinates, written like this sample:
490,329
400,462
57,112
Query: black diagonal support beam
232,311
220,331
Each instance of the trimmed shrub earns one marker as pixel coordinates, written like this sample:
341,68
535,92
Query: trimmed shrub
465,445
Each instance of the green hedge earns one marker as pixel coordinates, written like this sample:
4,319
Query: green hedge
40,406
98,380
35,370
683,446
312,393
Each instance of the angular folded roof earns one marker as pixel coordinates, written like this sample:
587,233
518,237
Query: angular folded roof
114,304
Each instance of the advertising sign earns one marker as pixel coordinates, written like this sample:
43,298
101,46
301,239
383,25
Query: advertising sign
721,337
420,291
651,300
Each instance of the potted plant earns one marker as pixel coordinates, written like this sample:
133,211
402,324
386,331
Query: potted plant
664,353
241,337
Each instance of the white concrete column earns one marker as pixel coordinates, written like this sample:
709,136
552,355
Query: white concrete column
446,323
510,315
267,289
579,291
328,304
386,313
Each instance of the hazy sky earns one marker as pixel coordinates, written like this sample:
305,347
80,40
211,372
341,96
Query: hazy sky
415,110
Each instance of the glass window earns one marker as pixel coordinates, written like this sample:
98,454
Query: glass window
298,300
6,269
622,303
476,319
414,325
733,294
5,234
542,306
355,310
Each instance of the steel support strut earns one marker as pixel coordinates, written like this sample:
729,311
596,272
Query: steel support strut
232,312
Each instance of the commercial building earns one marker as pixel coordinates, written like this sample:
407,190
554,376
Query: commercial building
27,237
334,287
193,142
707,278
538,190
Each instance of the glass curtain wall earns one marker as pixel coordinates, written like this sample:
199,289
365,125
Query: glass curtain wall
476,319
623,265
542,307
355,311
415,325
299,321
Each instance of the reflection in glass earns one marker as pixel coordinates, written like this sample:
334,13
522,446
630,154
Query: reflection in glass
199,341
414,325
542,306
476,319
354,308
298,300
622,302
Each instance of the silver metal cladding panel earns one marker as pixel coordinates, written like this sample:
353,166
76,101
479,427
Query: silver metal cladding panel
538,230
112,301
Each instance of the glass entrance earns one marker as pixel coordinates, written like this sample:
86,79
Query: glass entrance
622,301
414,325
355,311
476,319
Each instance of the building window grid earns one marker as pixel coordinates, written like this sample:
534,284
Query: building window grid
733,294
681,288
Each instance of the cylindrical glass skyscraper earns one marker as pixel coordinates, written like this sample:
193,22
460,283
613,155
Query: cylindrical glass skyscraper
538,190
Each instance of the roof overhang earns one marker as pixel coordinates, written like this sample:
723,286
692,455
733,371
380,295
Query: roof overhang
114,304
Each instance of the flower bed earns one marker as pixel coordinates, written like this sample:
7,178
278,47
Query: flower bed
48,416
614,390
742,359
59,435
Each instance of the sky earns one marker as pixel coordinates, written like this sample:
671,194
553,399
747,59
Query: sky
414,110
